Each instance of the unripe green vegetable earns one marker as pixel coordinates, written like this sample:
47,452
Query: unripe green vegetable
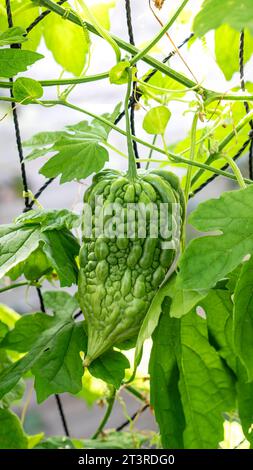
118,282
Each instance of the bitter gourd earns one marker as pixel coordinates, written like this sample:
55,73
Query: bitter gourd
120,276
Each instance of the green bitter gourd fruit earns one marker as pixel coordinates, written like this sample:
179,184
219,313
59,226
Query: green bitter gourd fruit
120,276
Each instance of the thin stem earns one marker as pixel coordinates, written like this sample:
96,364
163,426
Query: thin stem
192,156
110,146
228,97
26,405
158,36
135,392
132,171
107,415
14,286
156,64
236,171
65,81
151,153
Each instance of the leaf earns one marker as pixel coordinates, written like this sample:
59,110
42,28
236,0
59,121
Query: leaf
17,392
27,90
156,120
44,229
14,35
12,435
218,307
164,377
206,386
75,159
101,11
3,330
118,74
243,318
53,344
245,402
35,439
55,442
8,315
110,367
67,42
13,61
23,18
151,319
214,13
208,259
225,56
93,389
114,440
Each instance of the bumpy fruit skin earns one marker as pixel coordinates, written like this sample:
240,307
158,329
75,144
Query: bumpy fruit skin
120,276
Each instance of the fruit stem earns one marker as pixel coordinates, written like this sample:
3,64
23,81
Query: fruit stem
132,172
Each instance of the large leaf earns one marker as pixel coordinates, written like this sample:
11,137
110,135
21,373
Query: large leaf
78,150
13,61
12,435
23,17
243,317
164,377
53,344
208,259
214,13
218,307
206,386
47,229
67,42
18,391
225,56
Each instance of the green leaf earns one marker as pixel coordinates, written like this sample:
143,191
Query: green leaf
67,42
35,439
214,13
8,315
101,11
218,307
164,377
3,330
55,442
46,230
50,219
245,402
23,18
151,319
118,74
27,90
208,259
114,440
243,317
110,367
17,392
206,386
225,56
53,344
156,120
12,435
14,35
13,61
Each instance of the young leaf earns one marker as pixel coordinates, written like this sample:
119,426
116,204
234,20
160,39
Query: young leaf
164,377
67,42
118,74
225,56
214,13
14,35
53,344
12,435
13,61
8,316
110,367
208,259
243,318
18,391
156,120
27,90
